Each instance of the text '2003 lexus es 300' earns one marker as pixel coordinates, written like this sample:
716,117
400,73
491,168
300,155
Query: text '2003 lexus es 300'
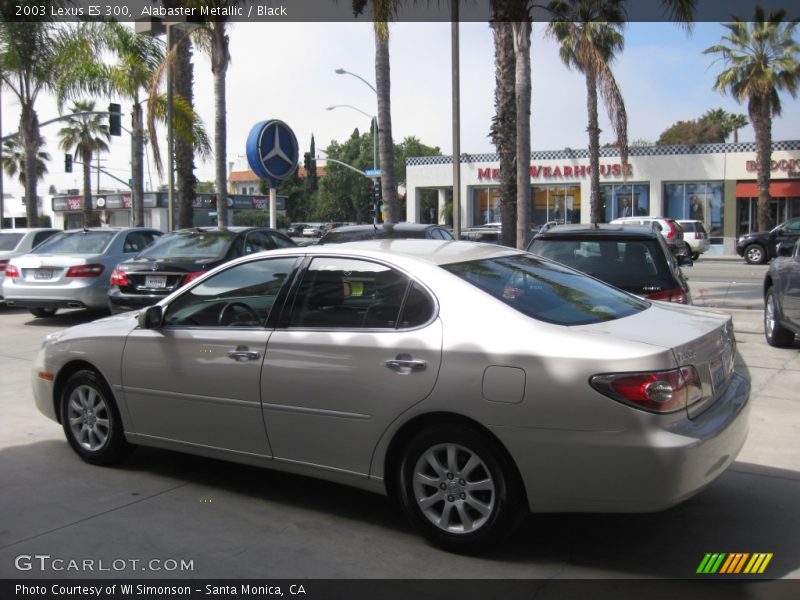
473,382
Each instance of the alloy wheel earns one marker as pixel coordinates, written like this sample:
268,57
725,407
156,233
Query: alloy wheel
88,417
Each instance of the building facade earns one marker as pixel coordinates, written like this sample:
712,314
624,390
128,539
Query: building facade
713,183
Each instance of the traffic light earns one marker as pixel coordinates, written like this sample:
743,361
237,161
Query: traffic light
114,119
307,163
68,163
377,192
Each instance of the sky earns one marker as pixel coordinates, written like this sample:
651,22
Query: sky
286,71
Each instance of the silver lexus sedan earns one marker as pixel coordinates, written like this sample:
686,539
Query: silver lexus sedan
473,382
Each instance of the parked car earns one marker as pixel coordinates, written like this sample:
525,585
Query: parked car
296,229
314,230
489,233
71,269
352,233
669,229
634,259
15,242
181,256
782,297
473,382
696,237
759,247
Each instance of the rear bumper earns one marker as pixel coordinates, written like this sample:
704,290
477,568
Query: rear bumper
119,302
79,293
646,468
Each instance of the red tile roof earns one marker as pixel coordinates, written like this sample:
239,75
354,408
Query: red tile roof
248,176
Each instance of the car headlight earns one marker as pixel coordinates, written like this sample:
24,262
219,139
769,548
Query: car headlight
52,337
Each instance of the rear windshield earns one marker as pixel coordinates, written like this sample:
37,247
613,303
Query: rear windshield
76,242
631,264
202,244
547,291
693,226
9,241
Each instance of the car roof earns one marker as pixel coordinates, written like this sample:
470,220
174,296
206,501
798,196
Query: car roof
598,231
28,229
233,229
382,226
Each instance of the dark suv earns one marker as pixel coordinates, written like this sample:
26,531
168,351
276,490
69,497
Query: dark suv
357,233
181,256
635,259
761,246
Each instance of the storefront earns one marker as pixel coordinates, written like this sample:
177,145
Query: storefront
713,183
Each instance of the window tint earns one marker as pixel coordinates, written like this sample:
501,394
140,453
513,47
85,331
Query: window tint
137,241
77,242
349,294
258,241
418,308
547,291
241,296
42,236
9,241
190,244
281,242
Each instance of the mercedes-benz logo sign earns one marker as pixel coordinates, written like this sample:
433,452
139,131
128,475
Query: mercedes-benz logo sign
272,150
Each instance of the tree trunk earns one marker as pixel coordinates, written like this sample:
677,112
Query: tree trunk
760,117
504,128
137,164
31,142
219,67
391,206
184,148
596,209
522,54
88,213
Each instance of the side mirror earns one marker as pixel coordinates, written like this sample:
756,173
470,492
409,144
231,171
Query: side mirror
151,317
684,260
785,249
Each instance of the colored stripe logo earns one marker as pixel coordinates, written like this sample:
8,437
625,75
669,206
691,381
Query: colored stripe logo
735,563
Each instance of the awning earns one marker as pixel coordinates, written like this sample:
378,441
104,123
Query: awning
777,189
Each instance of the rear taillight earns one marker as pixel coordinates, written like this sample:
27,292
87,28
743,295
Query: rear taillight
660,391
671,231
85,271
11,271
119,277
3,264
192,276
698,235
676,295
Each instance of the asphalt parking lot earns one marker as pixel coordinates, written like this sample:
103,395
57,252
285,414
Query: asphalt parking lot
162,508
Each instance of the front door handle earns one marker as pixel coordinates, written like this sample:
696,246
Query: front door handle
403,363
243,353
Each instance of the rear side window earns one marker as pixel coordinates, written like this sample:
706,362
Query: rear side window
547,291
9,241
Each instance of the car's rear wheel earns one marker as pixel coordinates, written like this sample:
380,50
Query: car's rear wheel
91,420
695,255
42,312
459,489
755,254
777,335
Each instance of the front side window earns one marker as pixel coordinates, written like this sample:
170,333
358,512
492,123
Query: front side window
546,291
77,242
343,293
241,296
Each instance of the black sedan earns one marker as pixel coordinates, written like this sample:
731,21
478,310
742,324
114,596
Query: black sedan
357,233
180,257
761,246
782,297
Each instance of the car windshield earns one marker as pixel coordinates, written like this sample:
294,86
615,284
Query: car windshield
9,241
630,264
195,244
547,291
77,242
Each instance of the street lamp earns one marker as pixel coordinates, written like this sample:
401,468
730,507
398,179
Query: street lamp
374,126
341,71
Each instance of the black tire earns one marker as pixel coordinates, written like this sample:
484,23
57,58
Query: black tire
492,478
777,335
695,255
755,254
91,420
42,313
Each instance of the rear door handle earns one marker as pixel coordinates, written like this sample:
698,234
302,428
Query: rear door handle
243,353
404,361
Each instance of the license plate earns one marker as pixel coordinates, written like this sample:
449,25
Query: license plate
720,369
40,274
155,281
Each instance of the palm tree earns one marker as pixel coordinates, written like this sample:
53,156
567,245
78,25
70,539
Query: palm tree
736,122
86,135
522,54
589,32
14,161
728,122
29,65
761,59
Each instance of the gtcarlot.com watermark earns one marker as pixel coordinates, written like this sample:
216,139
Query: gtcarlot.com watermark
45,563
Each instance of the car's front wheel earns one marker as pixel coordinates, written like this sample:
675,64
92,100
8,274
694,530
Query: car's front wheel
777,335
755,254
459,489
42,313
91,420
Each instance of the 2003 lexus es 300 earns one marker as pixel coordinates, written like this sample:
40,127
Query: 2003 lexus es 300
470,381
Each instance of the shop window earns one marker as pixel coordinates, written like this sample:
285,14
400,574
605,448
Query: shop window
629,200
698,201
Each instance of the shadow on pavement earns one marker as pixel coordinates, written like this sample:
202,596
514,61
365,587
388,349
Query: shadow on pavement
67,317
